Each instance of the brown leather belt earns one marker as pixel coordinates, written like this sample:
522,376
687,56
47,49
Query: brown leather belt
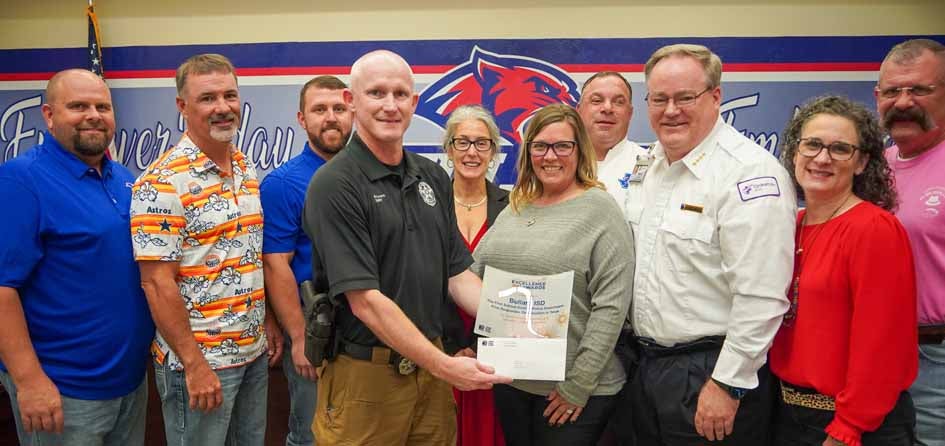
931,334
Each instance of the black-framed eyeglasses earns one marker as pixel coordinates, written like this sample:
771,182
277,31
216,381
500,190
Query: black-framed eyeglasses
914,90
681,100
837,150
463,144
560,148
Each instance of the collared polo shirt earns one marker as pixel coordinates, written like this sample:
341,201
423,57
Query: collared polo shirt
283,196
184,210
66,250
375,228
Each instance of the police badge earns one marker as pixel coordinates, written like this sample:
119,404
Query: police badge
426,192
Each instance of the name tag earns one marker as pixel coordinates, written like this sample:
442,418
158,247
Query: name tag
640,169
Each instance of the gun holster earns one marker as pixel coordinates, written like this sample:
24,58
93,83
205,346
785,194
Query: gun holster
320,336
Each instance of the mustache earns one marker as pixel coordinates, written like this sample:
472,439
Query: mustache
332,127
92,127
223,117
911,114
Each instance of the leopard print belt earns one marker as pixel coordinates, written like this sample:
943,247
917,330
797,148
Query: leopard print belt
810,400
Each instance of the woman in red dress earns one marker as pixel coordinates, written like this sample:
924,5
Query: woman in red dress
847,349
472,145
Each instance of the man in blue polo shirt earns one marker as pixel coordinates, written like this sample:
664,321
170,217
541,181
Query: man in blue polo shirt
287,251
75,339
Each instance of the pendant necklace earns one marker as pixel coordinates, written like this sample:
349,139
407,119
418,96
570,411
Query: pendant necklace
799,258
469,206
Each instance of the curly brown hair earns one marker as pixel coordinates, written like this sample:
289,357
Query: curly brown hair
875,184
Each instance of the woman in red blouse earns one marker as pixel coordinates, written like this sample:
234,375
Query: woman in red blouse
847,348
471,144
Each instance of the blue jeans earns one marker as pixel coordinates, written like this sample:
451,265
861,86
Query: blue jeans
928,394
240,420
302,394
118,421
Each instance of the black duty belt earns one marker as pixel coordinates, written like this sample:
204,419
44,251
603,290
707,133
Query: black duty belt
931,334
651,349
379,355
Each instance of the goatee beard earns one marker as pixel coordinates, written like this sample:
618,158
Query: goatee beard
89,147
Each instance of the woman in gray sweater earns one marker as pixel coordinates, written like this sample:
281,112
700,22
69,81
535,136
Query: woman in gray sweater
561,219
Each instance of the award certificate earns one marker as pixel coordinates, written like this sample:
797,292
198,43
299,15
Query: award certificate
527,318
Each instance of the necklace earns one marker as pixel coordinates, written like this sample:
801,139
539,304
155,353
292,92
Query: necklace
470,206
799,258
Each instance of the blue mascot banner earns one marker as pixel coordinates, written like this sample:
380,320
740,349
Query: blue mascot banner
764,80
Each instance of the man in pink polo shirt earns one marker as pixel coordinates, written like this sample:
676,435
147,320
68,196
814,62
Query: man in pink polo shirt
910,97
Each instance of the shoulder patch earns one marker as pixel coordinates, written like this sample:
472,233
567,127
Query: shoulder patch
758,187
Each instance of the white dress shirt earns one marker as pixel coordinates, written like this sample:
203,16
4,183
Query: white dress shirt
715,248
616,168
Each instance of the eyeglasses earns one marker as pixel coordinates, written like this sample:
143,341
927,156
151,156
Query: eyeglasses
914,90
681,100
837,150
561,148
463,144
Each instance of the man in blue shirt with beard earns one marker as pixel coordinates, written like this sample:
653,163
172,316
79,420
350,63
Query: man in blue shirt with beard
287,251
75,321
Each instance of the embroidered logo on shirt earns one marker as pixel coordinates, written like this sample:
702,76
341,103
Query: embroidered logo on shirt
625,181
379,197
758,187
426,192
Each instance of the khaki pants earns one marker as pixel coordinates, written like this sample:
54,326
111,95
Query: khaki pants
370,403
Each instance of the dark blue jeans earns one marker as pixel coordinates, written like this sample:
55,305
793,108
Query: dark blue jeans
524,425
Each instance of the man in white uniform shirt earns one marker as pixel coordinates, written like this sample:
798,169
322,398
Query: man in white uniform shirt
713,215
606,107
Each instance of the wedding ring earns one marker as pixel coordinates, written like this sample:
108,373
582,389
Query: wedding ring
569,411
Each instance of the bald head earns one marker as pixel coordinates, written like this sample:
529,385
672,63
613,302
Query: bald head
384,60
54,86
78,112
383,99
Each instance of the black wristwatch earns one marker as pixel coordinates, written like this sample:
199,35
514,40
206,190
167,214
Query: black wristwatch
736,393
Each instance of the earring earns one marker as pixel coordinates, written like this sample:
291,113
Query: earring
492,164
449,163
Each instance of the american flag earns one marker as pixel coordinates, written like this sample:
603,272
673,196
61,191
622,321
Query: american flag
95,58
95,47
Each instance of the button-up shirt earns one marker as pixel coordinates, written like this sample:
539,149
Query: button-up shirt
185,209
714,238
616,169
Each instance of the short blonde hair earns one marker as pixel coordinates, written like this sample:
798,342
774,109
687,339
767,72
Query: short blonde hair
527,187
711,63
